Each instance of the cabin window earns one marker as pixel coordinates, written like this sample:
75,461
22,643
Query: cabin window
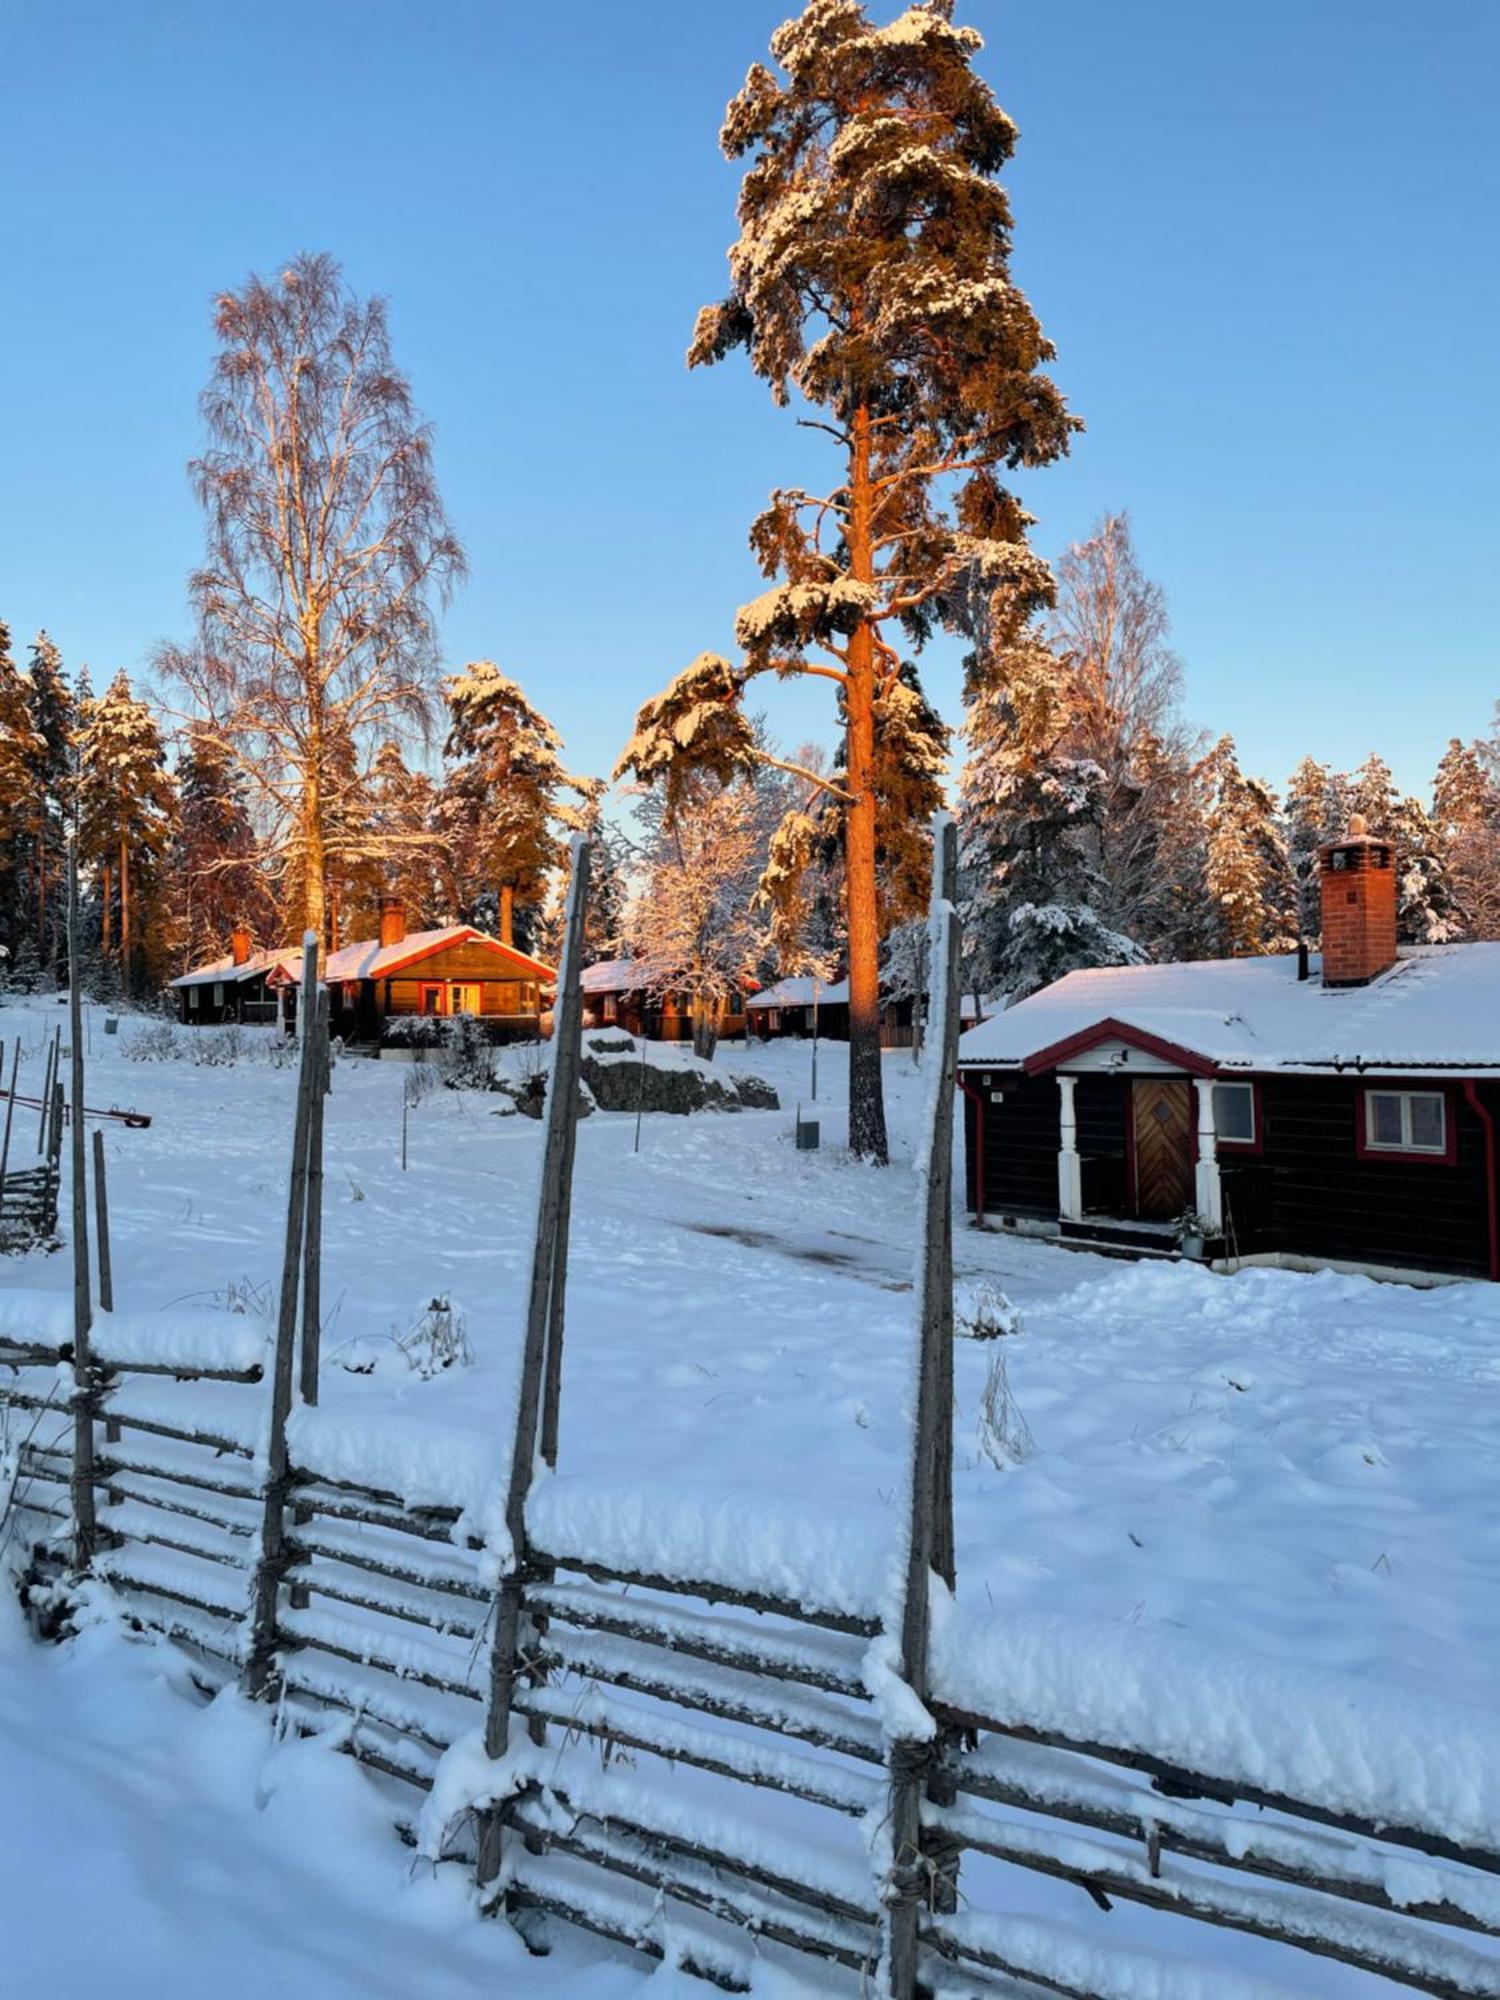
773,1018
1234,1114
1406,1121
611,1007
218,993
194,994
432,999
464,1000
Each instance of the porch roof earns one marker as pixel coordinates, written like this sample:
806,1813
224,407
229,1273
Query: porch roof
1437,1008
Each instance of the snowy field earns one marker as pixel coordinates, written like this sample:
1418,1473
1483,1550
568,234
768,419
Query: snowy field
1274,1473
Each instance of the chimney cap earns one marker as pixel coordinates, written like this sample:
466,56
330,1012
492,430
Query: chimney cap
1359,826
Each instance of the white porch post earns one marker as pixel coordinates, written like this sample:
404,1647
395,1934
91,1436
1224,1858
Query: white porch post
1209,1189
1069,1166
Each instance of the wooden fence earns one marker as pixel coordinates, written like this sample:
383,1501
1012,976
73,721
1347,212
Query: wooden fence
692,1766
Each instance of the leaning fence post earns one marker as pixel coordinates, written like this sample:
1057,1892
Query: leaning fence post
84,1525
260,1651
101,1225
541,1358
49,1070
10,1112
929,1541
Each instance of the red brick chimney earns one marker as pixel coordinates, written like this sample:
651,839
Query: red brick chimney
392,921
239,944
1357,877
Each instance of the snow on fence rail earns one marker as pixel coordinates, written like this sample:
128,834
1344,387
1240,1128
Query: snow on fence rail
710,1732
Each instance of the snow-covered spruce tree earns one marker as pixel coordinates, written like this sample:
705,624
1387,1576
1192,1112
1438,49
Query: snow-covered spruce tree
18,756
1249,878
326,542
1425,905
1466,815
401,840
1110,623
871,278
127,806
696,924
1029,812
49,794
505,808
609,890
217,879
1314,811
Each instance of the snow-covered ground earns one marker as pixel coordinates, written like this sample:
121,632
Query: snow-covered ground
1293,1470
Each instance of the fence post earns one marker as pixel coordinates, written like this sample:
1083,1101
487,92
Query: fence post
49,1070
101,1225
260,1652
909,1761
312,1257
541,1354
84,1524
10,1112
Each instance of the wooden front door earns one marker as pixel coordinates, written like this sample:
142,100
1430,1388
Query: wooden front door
1162,1128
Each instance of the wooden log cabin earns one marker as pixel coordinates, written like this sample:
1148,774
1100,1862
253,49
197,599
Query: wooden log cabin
801,1006
616,993
437,974
1336,1111
241,987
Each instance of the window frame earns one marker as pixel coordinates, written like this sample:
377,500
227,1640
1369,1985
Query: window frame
1256,1142
1369,1148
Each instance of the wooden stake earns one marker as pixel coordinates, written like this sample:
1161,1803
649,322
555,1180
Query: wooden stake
49,1072
260,1651
929,1506
560,1108
312,1255
10,1112
84,1526
101,1226
405,1112
568,1030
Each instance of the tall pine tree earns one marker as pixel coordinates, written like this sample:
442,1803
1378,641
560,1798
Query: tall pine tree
48,795
871,278
1466,817
217,879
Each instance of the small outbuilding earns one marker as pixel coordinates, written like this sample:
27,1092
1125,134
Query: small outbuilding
241,987
1293,1110
619,992
801,1006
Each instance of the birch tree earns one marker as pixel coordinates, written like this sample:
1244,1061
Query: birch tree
871,281
327,543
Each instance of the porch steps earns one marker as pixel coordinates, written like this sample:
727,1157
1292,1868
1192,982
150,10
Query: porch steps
1123,1239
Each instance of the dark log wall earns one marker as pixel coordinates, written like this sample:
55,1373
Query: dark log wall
1020,1146
1307,1192
1315,1196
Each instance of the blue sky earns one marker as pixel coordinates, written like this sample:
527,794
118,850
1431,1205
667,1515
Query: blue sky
1263,238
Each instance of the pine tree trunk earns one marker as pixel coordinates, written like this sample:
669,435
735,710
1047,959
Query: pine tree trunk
125,913
867,1136
104,909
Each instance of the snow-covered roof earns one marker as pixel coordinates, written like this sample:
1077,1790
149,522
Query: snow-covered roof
1437,1008
799,991
224,971
370,959
367,958
611,975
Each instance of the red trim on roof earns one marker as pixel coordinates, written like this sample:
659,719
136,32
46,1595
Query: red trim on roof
1111,1030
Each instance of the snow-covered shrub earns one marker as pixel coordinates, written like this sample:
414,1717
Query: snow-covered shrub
981,1311
217,1048
439,1340
1004,1434
413,1031
420,1081
155,1042
467,1061
280,1051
